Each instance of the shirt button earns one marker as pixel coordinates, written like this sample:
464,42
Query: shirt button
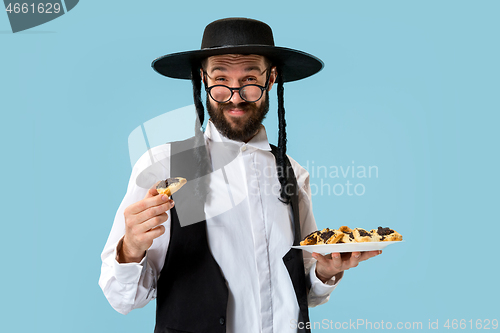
222,321
243,148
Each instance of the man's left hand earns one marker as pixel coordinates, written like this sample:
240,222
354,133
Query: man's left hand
335,263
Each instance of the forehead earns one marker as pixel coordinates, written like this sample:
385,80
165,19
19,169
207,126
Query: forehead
236,62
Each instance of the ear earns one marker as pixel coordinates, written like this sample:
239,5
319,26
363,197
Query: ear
201,75
272,77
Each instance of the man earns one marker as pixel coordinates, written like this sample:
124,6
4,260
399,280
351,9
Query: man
232,270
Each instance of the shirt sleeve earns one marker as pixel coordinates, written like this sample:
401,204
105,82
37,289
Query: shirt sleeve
132,285
319,292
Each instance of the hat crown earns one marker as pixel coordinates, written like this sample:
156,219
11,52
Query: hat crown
239,36
236,31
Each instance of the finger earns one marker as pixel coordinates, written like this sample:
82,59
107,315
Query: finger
153,212
157,200
152,223
150,213
320,258
157,232
152,191
369,254
330,260
355,257
336,261
336,256
146,203
346,256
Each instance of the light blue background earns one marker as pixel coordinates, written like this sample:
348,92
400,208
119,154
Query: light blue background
411,87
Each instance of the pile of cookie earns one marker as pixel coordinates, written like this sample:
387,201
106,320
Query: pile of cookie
347,235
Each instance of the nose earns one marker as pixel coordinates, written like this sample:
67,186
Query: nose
236,99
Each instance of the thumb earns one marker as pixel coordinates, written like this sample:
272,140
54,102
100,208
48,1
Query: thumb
320,258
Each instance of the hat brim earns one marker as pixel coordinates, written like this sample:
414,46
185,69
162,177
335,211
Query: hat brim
295,65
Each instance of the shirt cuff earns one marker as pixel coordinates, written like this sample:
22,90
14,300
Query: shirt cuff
128,272
318,287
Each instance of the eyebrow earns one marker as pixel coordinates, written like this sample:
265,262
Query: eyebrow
253,68
222,69
247,69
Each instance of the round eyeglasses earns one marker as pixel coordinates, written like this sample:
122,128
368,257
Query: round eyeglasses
249,93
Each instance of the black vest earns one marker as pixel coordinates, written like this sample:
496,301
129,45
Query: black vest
191,291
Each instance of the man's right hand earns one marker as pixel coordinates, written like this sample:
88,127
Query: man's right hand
143,221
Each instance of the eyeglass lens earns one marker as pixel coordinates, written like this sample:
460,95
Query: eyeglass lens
248,93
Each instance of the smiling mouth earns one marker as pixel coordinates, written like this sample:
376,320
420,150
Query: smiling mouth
236,112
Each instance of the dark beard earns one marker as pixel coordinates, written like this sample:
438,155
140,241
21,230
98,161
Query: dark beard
246,129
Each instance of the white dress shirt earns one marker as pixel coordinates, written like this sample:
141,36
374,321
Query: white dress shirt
249,231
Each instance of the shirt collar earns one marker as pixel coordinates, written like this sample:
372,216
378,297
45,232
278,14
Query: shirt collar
259,141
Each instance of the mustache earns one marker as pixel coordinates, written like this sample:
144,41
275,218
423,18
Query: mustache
243,106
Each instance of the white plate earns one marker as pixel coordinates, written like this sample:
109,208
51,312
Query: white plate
345,247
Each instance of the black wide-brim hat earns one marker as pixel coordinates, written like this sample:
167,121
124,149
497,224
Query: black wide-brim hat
239,36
